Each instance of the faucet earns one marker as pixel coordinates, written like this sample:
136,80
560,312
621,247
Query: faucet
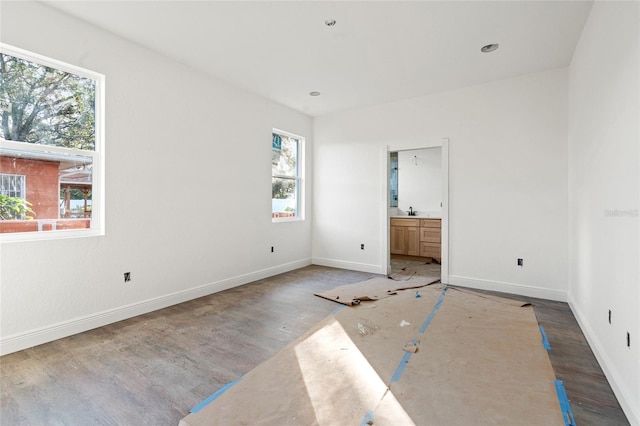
411,212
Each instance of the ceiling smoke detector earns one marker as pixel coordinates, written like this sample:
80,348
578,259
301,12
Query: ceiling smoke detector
314,93
489,47
330,22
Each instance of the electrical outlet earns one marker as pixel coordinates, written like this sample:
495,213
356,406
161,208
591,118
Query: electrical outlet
361,246
127,277
520,262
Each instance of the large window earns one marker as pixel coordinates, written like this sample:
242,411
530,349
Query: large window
51,138
286,176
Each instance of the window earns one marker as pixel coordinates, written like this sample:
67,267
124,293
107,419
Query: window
286,176
12,197
12,185
51,137
393,179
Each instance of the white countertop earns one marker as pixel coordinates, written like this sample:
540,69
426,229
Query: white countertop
419,216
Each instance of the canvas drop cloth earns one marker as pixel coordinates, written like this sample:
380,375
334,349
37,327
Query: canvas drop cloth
427,356
374,289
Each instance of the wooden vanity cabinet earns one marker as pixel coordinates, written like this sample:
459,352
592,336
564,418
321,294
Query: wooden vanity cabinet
416,237
405,236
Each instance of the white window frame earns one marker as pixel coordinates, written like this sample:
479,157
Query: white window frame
300,209
23,187
97,155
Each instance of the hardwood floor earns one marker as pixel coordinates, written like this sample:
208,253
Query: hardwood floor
150,370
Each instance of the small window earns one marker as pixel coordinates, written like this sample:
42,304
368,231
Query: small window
12,185
286,176
13,205
393,179
51,138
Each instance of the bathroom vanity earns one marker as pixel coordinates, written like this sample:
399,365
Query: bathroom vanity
413,236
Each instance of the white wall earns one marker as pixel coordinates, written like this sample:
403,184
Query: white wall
420,181
174,137
508,181
604,183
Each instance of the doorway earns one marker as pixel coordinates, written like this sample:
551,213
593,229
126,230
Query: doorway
396,210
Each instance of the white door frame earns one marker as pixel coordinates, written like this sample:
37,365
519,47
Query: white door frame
385,238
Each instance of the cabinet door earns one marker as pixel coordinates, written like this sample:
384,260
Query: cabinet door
398,239
413,241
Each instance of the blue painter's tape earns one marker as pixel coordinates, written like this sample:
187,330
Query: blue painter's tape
368,419
214,396
565,407
545,341
407,356
403,363
338,309
433,311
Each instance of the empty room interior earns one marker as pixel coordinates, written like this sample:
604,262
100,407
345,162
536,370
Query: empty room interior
465,156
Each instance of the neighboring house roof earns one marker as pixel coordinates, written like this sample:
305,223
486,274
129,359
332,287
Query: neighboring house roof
73,169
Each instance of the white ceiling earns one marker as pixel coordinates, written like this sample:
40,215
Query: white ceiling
378,51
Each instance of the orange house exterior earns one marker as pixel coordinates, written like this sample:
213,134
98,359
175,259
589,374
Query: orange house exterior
42,190
41,183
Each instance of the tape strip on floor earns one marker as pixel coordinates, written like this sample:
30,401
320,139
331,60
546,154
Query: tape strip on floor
407,356
214,395
565,407
545,341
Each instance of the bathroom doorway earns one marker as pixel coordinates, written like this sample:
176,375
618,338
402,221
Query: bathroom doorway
422,175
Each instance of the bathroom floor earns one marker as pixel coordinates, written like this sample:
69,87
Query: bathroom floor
422,267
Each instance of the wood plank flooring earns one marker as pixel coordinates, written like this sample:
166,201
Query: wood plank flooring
150,370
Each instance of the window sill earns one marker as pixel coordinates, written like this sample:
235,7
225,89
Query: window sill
287,219
17,237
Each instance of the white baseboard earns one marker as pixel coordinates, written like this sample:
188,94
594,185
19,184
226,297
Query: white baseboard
352,266
46,334
608,367
523,290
